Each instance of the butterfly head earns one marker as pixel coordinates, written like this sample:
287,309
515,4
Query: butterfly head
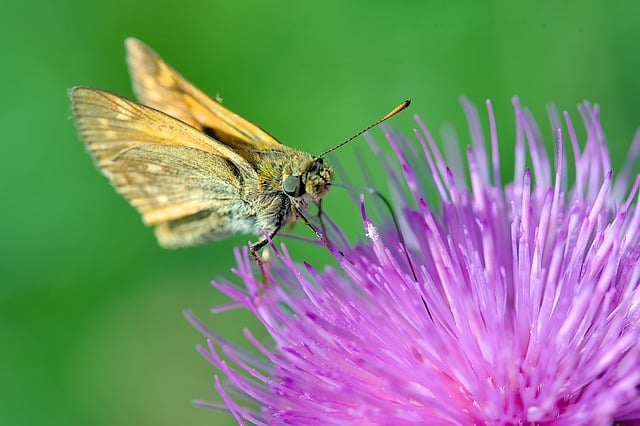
313,180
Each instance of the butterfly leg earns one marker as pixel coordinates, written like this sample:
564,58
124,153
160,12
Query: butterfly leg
315,231
322,237
322,227
255,248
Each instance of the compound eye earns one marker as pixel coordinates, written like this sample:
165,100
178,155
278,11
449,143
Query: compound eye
292,186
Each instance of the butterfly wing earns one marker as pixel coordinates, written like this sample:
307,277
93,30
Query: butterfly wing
190,195
176,177
156,84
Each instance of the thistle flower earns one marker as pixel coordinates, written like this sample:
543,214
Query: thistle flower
498,305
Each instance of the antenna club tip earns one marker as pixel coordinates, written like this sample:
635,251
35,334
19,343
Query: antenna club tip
404,105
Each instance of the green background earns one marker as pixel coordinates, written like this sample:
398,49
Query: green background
90,307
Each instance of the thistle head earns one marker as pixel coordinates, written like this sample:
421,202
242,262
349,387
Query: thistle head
500,304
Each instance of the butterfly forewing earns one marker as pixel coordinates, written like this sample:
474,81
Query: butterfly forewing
172,173
158,85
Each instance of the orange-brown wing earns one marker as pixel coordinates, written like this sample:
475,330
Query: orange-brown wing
165,168
158,85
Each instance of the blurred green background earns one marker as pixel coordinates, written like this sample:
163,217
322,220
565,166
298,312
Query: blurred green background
90,308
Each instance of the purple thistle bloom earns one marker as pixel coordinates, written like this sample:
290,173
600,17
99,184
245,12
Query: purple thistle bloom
499,305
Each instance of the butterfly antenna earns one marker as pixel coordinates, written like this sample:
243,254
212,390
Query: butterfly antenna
393,112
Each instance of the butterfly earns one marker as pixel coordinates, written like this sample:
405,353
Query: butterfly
193,169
